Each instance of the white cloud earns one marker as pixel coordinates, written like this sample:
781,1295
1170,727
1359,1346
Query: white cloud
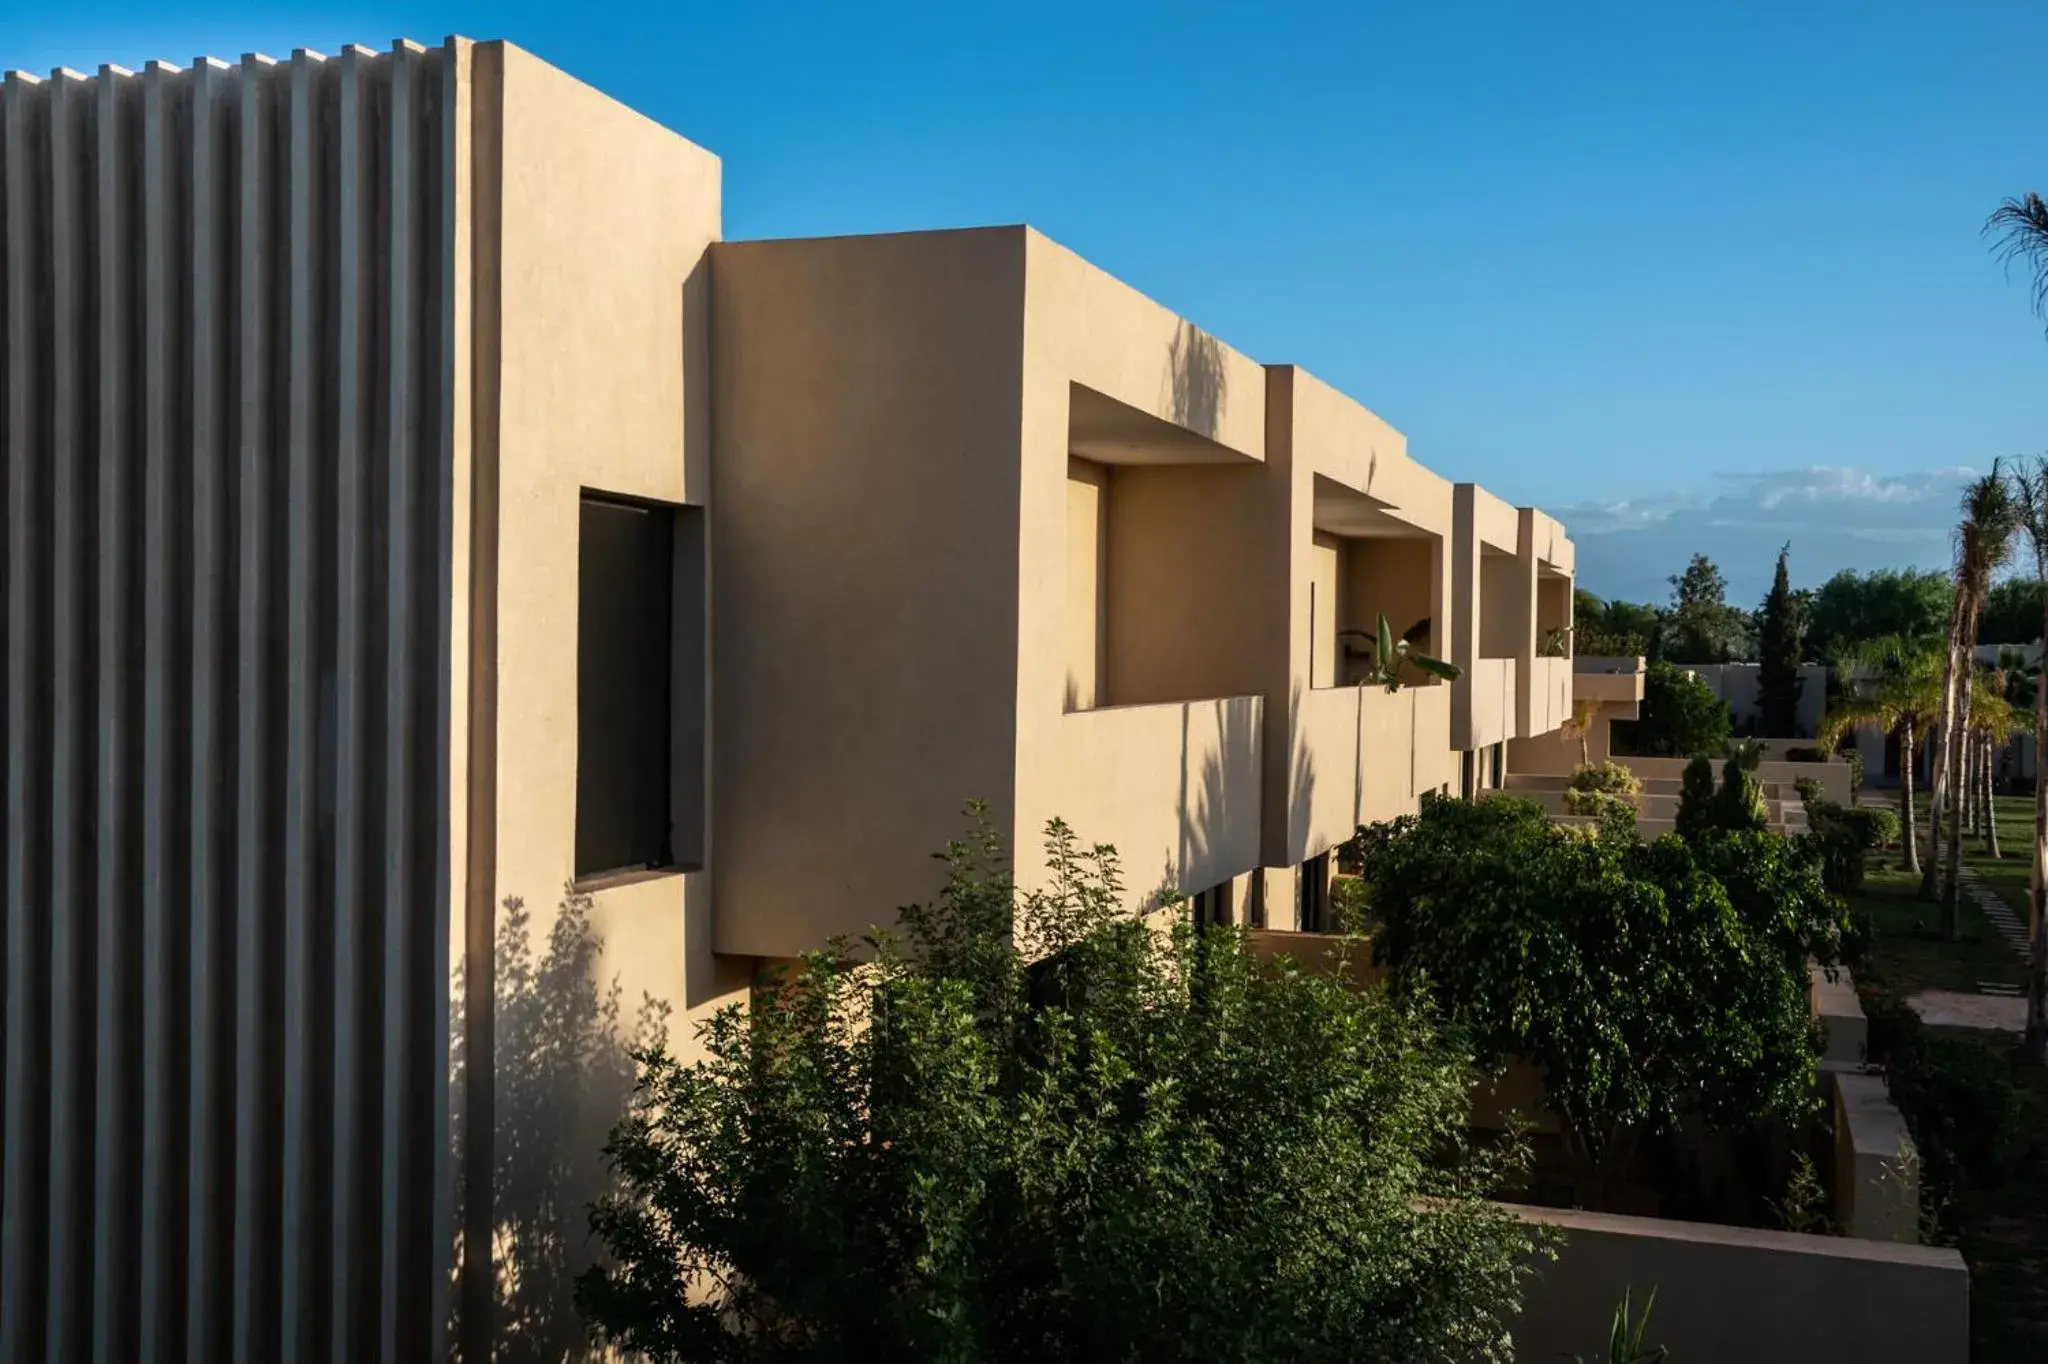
1834,517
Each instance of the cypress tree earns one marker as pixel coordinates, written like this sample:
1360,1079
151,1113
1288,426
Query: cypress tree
1778,647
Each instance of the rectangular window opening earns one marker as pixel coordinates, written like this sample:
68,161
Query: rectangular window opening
639,688
1314,907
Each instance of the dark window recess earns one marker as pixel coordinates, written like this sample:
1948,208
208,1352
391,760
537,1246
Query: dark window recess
1255,908
625,661
1212,906
1314,906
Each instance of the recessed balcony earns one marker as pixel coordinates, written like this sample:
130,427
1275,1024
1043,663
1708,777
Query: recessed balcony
1175,786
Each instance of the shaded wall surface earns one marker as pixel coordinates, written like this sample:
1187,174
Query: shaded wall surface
1731,1293
227,567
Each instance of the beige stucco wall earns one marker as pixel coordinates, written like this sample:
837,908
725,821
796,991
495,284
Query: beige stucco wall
1178,600
1396,576
1174,781
1086,562
592,367
606,218
1326,609
866,574
1337,756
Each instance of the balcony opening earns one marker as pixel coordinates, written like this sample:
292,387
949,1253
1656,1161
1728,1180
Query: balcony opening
1160,599
640,659
1500,624
1367,562
1553,614
1212,907
1312,905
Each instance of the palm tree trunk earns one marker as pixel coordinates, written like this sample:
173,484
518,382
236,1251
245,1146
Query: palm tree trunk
1990,797
1908,760
1938,779
1952,877
1966,787
1973,770
2036,1043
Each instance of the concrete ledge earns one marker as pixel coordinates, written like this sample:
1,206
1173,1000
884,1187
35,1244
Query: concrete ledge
1840,1012
1734,1293
1877,1167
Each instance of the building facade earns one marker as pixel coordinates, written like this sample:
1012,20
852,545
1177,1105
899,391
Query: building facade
448,591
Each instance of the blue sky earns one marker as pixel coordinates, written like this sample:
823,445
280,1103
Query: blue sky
1694,276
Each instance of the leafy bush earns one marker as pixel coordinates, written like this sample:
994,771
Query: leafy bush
1695,797
1957,1095
1739,804
1649,980
1748,754
1611,777
1681,716
1603,804
1805,755
1811,792
1854,757
1845,836
1880,824
1598,642
1035,1127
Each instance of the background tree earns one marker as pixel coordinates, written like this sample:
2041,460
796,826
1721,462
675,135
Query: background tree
1680,717
1034,1128
1780,637
1983,543
2030,483
1615,628
1895,689
2013,612
1702,627
1853,609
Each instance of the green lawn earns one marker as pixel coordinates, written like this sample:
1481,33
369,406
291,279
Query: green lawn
2004,1230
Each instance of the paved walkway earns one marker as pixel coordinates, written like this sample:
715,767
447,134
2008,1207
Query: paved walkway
1952,1009
2003,920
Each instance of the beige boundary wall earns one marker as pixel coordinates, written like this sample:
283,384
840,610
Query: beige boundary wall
1833,776
1735,1295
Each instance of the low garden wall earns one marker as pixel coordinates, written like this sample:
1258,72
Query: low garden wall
1736,1293
1832,776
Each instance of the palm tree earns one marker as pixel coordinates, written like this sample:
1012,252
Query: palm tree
1898,693
2018,230
2030,482
1984,540
1579,728
1993,722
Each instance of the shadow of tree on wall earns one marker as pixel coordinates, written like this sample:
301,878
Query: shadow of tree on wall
1199,384
1229,789
563,1076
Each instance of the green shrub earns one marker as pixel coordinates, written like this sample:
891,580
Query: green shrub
1811,792
1649,980
1854,757
1805,755
1748,754
1696,797
1033,1128
1610,777
1845,836
1602,804
1957,1095
1739,804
